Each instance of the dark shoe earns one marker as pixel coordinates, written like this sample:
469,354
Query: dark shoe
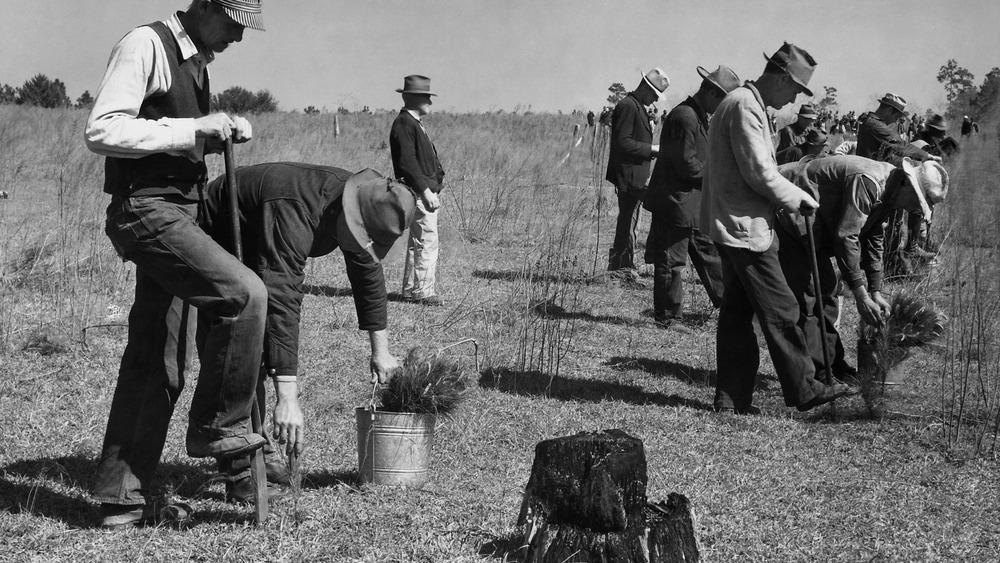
432,301
241,490
829,393
199,445
844,371
278,473
118,516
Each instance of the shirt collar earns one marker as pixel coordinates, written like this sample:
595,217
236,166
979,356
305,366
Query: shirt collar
184,41
413,113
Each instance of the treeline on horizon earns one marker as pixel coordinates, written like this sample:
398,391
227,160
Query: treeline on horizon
964,97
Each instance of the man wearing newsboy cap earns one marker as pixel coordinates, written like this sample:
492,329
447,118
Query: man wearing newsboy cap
742,191
151,120
632,150
674,199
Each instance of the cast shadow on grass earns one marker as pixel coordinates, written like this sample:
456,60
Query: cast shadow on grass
325,478
664,368
536,384
58,488
553,311
328,291
536,277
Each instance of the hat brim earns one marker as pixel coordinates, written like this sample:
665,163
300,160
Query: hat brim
246,19
401,91
911,174
706,75
353,220
659,93
809,115
802,87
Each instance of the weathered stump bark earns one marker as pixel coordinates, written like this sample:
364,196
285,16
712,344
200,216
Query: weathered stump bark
586,501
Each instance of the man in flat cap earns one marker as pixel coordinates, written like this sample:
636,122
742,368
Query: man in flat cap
795,133
857,196
415,163
812,145
290,212
674,199
632,150
151,120
742,191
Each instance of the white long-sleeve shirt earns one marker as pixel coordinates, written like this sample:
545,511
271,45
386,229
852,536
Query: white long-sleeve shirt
138,69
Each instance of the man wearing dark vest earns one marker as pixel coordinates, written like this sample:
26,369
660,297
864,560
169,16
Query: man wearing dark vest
632,149
674,200
151,120
415,163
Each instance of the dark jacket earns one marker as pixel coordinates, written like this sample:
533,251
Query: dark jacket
288,213
675,186
790,136
631,145
878,141
414,158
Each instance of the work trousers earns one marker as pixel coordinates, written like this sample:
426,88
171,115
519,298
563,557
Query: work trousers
755,285
622,253
421,254
667,248
793,254
178,267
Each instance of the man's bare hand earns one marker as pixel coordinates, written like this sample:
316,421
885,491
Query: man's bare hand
214,126
289,424
870,311
807,205
383,367
430,200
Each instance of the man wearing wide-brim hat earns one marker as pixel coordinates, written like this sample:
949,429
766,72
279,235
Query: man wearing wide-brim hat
812,146
629,158
674,198
857,196
742,191
151,120
878,139
415,163
290,212
935,139
794,133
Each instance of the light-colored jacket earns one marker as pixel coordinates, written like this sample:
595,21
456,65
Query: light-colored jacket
742,188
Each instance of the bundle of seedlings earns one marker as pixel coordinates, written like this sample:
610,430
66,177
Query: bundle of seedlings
429,382
911,324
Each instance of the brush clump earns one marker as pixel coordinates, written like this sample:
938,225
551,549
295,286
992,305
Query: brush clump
429,382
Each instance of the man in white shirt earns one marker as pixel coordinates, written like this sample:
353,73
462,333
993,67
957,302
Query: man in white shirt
151,120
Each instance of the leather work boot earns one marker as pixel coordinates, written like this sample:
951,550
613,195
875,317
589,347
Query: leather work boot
199,445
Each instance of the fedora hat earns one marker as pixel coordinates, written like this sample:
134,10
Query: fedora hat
937,122
723,78
377,210
416,84
807,110
893,101
815,137
243,12
657,80
929,181
796,62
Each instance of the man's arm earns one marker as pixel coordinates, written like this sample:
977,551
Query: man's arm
858,199
406,136
370,300
891,147
681,148
626,114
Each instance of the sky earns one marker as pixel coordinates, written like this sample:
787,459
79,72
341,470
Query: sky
546,55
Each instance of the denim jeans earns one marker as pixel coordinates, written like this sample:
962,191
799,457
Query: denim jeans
178,267
421,254
622,254
755,285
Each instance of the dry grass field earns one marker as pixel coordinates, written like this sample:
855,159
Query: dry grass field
562,350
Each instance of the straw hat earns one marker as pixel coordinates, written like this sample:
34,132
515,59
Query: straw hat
893,101
657,80
929,181
243,12
377,211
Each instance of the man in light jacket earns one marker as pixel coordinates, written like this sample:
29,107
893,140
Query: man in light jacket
742,190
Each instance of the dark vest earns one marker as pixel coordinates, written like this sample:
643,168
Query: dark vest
161,173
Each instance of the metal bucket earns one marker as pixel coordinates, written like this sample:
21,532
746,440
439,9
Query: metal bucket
394,448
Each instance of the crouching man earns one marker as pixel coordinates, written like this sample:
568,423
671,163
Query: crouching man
856,198
290,212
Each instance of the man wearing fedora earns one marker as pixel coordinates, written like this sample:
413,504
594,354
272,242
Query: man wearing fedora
812,146
674,199
933,137
742,191
878,138
794,133
290,212
415,163
151,120
632,151
857,196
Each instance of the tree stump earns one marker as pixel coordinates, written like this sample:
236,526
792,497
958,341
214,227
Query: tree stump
586,501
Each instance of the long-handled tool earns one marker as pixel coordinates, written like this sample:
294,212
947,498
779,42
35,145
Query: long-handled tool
818,293
258,472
